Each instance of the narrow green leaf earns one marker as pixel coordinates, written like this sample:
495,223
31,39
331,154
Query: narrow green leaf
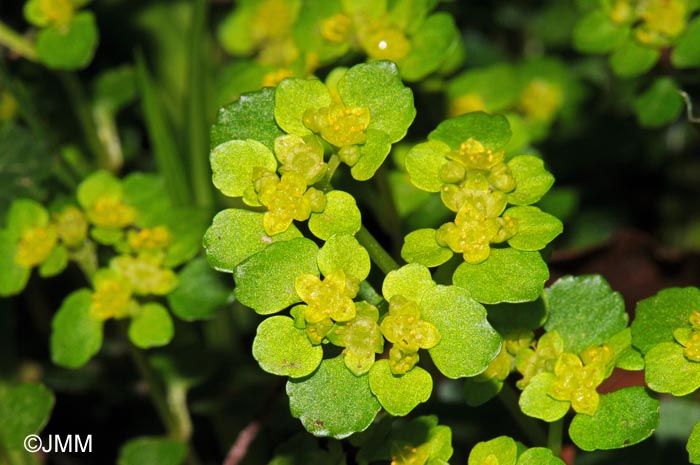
75,336
333,401
283,350
624,418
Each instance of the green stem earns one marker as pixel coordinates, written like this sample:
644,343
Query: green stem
555,436
17,43
198,121
379,256
333,164
531,427
83,111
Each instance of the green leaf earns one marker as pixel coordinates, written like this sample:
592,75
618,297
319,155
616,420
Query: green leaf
372,155
536,402
668,370
265,281
13,278
525,315
75,336
686,54
536,228
659,105
377,86
410,281
421,247
596,33
252,116
152,451
333,401
97,185
25,214
293,98
508,275
657,317
233,163
468,343
71,47
199,293
115,88
283,350
152,326
186,225
25,409
632,59
341,215
503,448
237,234
399,395
585,311
55,263
497,86
539,456
624,418
492,131
423,163
342,251
306,30
430,46
693,445
532,180
478,393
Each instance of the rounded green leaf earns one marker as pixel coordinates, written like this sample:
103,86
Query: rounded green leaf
75,335
284,350
13,277
468,343
98,184
659,105
596,33
25,214
524,315
410,281
342,251
536,228
265,281
71,47
252,116
200,293
508,275
585,311
686,54
657,317
55,263
152,326
539,456
152,451
399,395
497,86
693,445
372,155
492,131
293,98
667,370
377,86
531,178
233,162
478,393
503,448
537,403
430,46
423,163
624,418
333,401
421,247
25,410
237,234
632,59
341,215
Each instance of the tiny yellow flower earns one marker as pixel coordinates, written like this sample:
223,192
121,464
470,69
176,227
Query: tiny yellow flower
301,155
272,78
144,274
330,298
111,297
153,239
36,245
541,100
337,28
540,359
338,125
71,226
577,383
387,44
58,12
111,213
467,103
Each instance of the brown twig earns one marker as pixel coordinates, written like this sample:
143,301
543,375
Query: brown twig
239,449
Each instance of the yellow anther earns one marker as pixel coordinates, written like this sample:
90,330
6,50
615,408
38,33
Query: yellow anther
577,382
156,238
111,298
111,213
336,28
330,298
35,245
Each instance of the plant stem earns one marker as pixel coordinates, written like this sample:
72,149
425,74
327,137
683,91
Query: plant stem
379,256
197,118
83,111
17,43
529,426
554,438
